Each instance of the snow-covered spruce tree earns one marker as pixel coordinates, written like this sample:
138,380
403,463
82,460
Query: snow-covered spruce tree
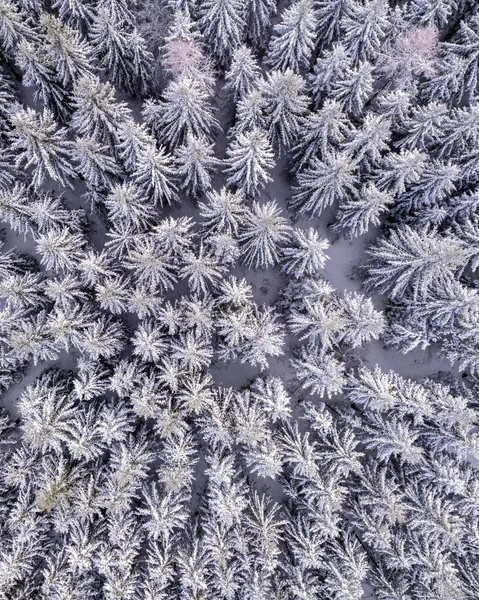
284,104
324,183
367,144
224,211
306,256
263,232
38,72
433,13
329,66
66,49
354,87
265,337
364,26
257,17
415,261
184,110
250,112
121,50
292,43
320,131
15,26
155,175
9,96
152,265
94,163
320,374
195,161
183,53
127,205
412,57
249,159
463,47
135,139
355,216
41,144
325,320
422,127
74,13
97,113
222,25
200,269
399,170
243,72
437,182
363,321
330,15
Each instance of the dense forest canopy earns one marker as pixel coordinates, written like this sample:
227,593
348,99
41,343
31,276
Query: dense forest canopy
239,310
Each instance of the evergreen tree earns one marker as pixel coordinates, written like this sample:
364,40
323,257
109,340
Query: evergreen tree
224,211
437,181
263,232
423,126
305,257
183,54
328,69
38,72
394,106
141,64
293,42
155,175
97,114
320,130
257,17
41,145
399,170
460,131
367,144
14,26
121,49
354,87
264,338
364,27
74,13
465,47
330,15
151,264
126,204
411,57
200,269
324,183
363,321
354,216
183,111
14,208
195,161
242,74
250,113
60,250
222,25
135,139
285,103
95,163
248,159
414,261
321,374
66,49
433,13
